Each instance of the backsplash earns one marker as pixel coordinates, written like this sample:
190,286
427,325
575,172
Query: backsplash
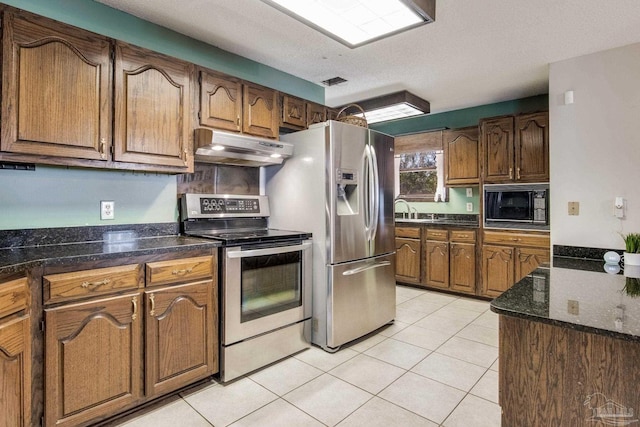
220,179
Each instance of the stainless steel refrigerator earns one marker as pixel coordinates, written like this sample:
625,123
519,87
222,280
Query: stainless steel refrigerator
339,186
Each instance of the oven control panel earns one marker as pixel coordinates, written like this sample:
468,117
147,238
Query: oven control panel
194,206
222,205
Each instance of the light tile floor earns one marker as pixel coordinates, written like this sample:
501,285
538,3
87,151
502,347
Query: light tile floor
435,366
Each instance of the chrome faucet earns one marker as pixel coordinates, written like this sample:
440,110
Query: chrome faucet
408,212
414,211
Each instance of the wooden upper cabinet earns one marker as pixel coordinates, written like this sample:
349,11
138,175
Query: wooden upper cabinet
294,112
532,147
152,108
260,111
516,149
56,89
461,153
220,101
497,149
316,113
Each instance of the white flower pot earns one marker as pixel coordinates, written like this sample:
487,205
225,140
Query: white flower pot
631,259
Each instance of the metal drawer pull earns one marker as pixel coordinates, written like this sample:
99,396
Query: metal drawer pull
182,272
100,283
365,268
134,301
152,298
515,239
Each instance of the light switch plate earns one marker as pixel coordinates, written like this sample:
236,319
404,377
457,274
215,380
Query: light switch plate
469,192
574,208
107,209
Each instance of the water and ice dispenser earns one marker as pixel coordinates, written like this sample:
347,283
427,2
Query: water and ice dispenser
347,192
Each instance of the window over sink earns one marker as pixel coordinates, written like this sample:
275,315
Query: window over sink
419,167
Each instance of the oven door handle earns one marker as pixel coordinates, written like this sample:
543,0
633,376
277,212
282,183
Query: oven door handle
366,267
269,251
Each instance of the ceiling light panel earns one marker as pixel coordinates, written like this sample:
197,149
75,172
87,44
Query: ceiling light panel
354,22
398,111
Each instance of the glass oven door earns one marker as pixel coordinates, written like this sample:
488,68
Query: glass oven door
265,289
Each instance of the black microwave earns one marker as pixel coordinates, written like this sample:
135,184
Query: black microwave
516,205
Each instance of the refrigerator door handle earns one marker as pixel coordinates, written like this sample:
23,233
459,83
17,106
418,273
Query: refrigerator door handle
375,190
368,219
365,268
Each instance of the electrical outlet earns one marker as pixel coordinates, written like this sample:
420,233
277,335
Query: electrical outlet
574,208
573,307
469,192
107,209
469,207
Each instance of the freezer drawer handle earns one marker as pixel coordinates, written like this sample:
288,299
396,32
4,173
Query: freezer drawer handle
366,267
269,251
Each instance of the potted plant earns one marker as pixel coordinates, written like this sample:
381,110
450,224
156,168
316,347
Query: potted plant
632,249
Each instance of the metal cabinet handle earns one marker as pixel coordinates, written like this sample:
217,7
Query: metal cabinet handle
510,173
103,142
134,301
100,283
238,121
152,299
182,272
518,173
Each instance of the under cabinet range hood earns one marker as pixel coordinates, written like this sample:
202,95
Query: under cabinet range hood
213,146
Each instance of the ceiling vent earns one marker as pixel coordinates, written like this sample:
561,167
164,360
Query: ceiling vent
333,81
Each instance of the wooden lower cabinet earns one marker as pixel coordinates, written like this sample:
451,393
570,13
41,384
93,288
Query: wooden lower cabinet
437,264
408,255
106,353
93,360
507,257
15,372
180,336
462,267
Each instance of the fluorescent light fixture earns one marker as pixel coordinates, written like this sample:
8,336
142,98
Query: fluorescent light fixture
217,147
357,22
397,105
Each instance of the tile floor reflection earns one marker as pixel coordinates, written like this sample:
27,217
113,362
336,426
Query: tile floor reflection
435,366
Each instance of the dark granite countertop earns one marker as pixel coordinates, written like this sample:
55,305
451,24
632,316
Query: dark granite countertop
549,295
435,220
52,247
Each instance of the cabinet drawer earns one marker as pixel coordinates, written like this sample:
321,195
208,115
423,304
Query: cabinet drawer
437,234
463,236
411,232
13,296
179,270
517,239
100,281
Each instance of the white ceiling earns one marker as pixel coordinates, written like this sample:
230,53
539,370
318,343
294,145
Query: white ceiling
477,51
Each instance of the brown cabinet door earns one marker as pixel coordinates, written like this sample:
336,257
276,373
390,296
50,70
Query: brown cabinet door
316,113
220,101
532,147
294,112
408,260
497,149
181,336
260,111
528,259
93,359
462,273
461,150
152,108
15,373
437,264
497,269
56,89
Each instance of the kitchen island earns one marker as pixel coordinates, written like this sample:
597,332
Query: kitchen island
569,347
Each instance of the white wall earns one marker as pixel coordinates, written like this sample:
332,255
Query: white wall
595,146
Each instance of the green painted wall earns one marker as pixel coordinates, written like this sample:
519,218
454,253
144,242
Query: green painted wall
464,117
96,17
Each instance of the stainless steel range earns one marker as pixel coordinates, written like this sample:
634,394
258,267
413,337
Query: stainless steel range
265,278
